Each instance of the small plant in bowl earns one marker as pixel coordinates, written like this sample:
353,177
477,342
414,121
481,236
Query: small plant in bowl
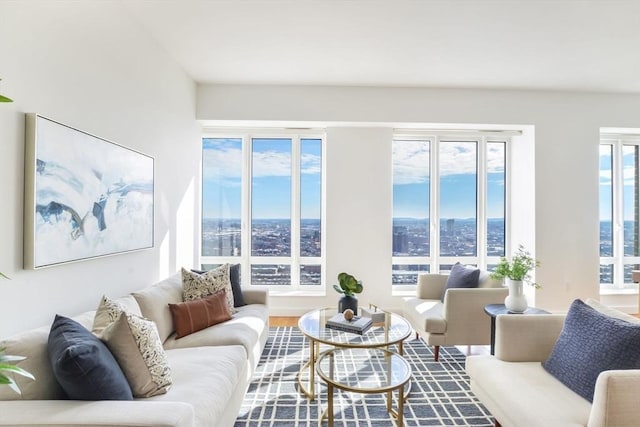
348,286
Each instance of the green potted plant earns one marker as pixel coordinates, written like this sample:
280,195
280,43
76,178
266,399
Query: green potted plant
7,366
515,273
348,286
5,99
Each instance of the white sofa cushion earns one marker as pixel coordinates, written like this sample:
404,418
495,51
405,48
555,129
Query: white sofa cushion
427,313
533,397
211,379
247,328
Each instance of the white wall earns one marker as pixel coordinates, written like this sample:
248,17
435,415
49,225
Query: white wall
566,127
86,64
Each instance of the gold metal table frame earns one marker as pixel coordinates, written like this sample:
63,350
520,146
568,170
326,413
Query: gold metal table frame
393,331
364,370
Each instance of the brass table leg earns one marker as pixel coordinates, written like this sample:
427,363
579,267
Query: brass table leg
329,404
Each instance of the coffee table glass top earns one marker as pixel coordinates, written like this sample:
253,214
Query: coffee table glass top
364,370
393,330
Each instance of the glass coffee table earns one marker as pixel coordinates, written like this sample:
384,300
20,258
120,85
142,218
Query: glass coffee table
392,331
364,370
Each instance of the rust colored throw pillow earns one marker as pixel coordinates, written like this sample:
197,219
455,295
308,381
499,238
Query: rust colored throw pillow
195,315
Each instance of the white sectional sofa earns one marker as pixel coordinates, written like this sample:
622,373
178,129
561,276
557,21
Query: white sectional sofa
519,392
210,369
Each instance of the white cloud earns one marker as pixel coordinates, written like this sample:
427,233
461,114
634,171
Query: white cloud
226,162
221,163
310,164
411,160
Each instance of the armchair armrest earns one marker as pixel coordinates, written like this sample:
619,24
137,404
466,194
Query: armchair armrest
105,412
527,338
615,401
256,296
463,310
430,286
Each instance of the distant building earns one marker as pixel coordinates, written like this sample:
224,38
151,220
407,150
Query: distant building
451,226
400,240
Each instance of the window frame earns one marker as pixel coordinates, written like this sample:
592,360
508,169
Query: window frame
433,261
246,259
618,260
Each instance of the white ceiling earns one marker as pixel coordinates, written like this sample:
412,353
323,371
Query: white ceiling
516,44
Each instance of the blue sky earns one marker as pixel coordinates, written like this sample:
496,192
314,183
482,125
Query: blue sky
271,183
271,160
458,179
628,173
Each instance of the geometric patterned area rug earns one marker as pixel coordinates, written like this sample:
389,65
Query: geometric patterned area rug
439,395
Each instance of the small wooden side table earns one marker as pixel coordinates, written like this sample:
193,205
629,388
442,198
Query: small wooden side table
494,309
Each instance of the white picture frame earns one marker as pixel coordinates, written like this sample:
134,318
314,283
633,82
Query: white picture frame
85,196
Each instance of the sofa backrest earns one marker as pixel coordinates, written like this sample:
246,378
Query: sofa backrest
154,303
32,344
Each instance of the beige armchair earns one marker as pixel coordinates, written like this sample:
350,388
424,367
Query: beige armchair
460,319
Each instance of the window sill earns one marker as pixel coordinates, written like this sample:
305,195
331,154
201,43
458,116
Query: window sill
619,291
295,293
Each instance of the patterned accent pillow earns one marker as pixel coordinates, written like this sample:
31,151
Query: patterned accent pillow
590,343
109,310
136,345
193,316
197,286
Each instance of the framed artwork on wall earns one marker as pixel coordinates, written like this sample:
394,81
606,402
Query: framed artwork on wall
85,197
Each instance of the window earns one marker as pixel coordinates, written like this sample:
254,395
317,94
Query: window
449,204
619,210
262,208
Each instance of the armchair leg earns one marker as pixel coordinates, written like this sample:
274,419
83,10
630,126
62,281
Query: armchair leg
436,352
496,423
417,336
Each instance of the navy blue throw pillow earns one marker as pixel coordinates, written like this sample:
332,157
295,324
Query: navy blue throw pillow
592,342
234,278
461,277
83,365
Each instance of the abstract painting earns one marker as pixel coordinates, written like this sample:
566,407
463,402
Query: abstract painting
85,196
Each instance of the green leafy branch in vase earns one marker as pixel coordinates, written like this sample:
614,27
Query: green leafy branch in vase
520,267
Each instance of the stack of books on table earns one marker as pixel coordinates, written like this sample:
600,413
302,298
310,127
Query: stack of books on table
357,325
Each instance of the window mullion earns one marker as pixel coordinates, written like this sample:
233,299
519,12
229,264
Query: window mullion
618,209
434,204
295,212
245,223
481,203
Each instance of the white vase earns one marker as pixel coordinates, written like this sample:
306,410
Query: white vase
516,301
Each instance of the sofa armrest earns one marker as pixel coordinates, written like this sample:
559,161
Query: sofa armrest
430,286
256,296
615,401
104,412
527,338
